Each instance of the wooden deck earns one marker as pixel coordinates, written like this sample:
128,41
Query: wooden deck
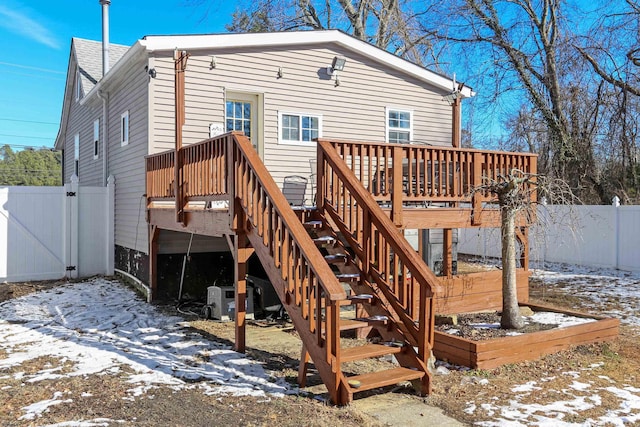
365,192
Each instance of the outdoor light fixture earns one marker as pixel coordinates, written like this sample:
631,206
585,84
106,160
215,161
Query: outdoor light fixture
337,65
212,64
280,72
153,73
452,97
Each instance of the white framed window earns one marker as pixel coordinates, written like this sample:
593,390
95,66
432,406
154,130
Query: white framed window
399,125
78,86
96,138
76,154
299,128
124,128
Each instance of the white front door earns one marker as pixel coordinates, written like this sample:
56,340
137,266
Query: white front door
242,113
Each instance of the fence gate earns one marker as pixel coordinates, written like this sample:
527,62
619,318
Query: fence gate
53,232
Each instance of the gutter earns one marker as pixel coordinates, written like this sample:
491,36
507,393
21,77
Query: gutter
105,135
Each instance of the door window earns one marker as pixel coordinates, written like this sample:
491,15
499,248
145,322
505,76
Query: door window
238,117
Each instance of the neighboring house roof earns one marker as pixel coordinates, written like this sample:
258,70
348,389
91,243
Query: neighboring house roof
86,55
89,56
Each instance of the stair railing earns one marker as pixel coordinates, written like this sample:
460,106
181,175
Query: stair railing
278,236
387,260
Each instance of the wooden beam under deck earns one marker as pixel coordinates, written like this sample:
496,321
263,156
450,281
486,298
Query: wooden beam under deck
216,222
423,218
213,223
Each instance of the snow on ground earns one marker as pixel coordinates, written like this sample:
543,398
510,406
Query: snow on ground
598,287
102,326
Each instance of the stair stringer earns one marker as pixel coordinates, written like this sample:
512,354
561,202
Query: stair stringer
329,371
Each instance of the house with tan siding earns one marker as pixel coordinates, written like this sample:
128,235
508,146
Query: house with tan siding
202,134
278,88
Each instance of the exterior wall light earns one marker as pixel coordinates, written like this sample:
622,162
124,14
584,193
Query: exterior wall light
337,65
451,98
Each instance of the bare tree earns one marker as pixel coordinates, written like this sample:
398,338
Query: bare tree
612,48
516,194
392,25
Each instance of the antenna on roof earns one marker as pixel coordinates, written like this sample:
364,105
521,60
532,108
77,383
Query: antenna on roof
105,35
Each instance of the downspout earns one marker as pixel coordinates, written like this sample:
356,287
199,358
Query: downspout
105,139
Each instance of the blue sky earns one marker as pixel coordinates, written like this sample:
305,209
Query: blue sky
35,38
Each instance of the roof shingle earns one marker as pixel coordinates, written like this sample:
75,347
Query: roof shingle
89,57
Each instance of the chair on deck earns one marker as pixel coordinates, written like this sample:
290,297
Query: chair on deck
312,178
294,189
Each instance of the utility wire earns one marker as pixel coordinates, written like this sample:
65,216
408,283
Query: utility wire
2,144
26,136
6,119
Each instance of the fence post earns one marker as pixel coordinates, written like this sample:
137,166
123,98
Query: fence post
71,238
616,206
110,226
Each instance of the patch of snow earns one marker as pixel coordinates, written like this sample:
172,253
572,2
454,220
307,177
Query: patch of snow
36,409
101,326
577,385
560,319
594,285
530,386
485,325
98,422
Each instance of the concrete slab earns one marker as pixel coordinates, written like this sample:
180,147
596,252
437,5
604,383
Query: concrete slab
403,410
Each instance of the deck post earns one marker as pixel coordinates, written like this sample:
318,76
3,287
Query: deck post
447,242
320,178
396,188
476,182
242,254
522,234
180,63
456,122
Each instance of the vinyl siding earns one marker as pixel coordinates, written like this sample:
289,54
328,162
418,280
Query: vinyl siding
354,110
80,121
127,163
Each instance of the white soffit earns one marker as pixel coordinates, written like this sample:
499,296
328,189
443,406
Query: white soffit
208,41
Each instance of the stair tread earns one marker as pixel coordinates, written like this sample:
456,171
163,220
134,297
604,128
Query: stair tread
384,378
313,223
349,324
336,257
367,351
348,275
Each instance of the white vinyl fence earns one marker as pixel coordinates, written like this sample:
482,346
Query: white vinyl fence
599,236
53,232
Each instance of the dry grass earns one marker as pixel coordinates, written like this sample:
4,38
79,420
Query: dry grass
278,348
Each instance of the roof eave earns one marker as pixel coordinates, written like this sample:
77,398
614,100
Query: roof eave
207,41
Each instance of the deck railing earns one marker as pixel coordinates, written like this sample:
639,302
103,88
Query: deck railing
160,175
311,285
383,255
400,175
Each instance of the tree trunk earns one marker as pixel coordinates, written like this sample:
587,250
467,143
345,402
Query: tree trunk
511,318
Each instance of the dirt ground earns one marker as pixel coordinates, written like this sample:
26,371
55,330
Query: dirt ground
278,348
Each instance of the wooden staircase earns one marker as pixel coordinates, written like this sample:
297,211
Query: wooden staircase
366,304
316,272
